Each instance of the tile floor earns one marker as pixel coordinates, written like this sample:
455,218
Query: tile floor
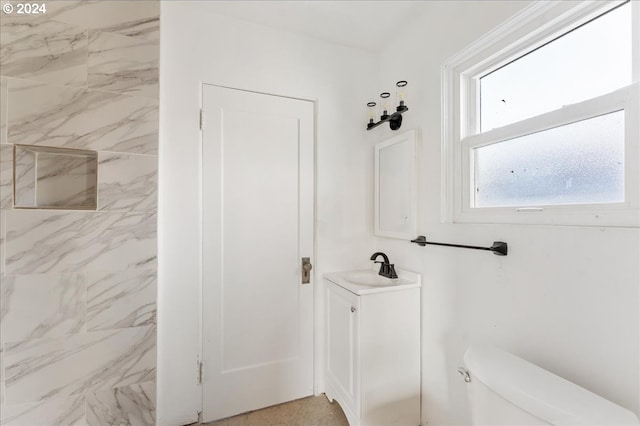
311,411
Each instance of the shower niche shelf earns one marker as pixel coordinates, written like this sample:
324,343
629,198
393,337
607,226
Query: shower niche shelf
54,178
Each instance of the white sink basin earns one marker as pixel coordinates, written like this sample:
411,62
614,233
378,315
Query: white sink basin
368,281
368,278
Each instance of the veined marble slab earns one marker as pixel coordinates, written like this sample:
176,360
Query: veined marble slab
121,299
36,370
127,182
123,64
131,18
55,241
43,305
6,176
3,110
3,227
128,405
52,411
47,50
67,117
1,381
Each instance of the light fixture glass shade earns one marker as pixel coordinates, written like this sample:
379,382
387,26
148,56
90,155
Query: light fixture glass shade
384,104
401,94
371,112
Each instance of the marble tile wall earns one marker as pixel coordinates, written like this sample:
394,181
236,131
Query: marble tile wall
78,287
81,118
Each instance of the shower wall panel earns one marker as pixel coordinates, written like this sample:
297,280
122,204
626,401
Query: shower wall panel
78,288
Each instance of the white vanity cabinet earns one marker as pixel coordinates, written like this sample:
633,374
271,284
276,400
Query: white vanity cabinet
373,350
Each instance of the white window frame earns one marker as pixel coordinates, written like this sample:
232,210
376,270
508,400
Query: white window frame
533,27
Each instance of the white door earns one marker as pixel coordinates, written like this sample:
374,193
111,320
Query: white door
258,173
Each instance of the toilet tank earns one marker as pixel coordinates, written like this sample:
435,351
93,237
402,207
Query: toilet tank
507,390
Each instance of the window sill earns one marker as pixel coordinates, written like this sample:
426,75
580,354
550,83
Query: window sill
615,216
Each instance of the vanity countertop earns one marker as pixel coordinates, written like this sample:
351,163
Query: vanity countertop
367,281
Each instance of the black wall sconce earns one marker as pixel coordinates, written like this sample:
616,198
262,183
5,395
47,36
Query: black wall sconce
395,119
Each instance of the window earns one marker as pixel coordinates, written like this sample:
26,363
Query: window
541,121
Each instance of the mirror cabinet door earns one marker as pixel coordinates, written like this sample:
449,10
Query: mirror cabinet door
395,186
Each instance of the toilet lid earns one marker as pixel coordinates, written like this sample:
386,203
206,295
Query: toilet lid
540,392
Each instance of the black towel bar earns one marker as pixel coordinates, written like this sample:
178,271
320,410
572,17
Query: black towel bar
498,248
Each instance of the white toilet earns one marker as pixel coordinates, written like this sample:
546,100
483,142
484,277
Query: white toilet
506,390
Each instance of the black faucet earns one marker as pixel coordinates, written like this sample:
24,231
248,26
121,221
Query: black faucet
386,269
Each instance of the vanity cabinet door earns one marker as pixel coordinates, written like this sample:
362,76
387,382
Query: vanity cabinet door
389,363
342,348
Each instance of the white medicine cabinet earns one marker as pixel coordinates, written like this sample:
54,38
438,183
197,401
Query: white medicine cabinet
396,186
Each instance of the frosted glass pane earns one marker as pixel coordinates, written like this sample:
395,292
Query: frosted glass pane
578,163
590,61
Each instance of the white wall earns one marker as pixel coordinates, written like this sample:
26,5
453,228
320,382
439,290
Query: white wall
566,298
199,46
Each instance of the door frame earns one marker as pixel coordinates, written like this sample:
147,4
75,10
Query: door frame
317,297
